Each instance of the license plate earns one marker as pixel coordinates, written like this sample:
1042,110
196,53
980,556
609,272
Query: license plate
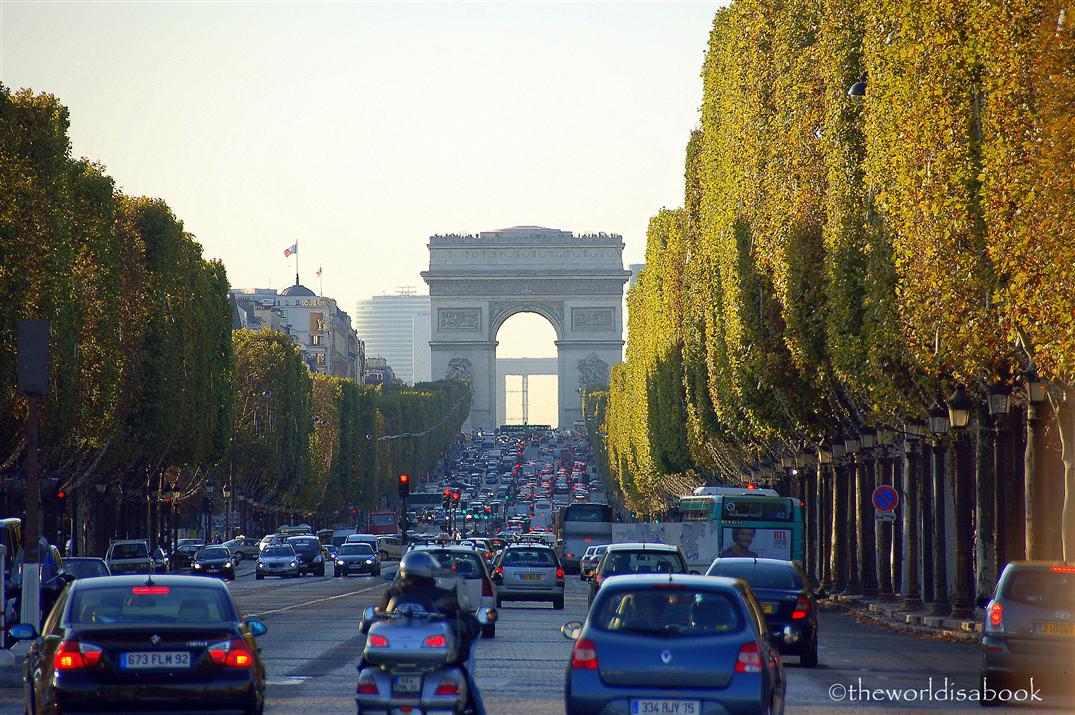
156,659
767,608
1056,629
666,707
408,684
531,577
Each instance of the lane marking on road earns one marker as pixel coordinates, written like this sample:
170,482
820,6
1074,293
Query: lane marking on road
294,680
314,602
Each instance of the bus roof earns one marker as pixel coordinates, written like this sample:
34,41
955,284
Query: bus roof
734,492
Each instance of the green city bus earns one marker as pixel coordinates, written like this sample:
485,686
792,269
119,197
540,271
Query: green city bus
750,522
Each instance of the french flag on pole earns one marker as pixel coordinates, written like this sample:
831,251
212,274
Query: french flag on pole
292,250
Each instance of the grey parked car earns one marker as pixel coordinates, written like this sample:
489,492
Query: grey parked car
673,643
529,573
278,560
1029,629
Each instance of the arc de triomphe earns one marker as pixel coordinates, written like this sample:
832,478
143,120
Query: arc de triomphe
478,282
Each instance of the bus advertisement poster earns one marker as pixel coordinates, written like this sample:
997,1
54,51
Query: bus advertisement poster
746,541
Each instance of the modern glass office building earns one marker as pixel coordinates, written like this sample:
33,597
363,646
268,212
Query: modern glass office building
397,327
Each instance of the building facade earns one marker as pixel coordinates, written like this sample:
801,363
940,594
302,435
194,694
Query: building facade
379,372
397,327
323,333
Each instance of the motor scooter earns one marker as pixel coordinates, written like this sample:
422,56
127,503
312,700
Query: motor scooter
412,663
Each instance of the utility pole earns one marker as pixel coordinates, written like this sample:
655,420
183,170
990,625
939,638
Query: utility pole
33,382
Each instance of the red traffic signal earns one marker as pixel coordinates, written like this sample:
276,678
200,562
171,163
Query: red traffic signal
455,496
403,479
404,485
61,494
447,492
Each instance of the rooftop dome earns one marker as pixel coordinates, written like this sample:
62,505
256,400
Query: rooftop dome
298,290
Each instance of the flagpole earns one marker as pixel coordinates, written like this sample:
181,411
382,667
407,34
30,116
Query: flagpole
296,261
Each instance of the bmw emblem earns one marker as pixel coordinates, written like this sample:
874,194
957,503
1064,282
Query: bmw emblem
155,640
666,656
1063,615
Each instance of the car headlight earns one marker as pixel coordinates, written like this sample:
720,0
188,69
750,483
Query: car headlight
339,563
197,566
261,564
294,563
369,561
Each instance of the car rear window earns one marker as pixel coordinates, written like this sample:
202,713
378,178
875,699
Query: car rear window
529,557
628,562
151,604
667,612
305,544
759,575
87,568
462,563
1047,589
356,550
214,553
130,551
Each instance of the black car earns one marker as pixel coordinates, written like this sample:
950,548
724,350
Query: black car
786,599
214,561
357,558
308,554
164,642
86,567
183,557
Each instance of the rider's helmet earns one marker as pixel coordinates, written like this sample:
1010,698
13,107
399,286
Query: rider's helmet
418,565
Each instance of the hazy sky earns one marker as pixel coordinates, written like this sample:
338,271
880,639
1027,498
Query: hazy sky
359,129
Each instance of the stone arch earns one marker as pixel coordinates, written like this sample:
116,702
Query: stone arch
501,311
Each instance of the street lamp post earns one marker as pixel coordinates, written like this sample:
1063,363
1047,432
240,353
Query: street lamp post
912,598
999,404
840,519
938,425
1035,391
226,491
867,479
960,407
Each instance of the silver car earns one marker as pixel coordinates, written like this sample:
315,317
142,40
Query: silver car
530,572
277,560
590,559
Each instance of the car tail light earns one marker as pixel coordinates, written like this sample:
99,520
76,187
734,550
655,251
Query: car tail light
437,641
73,655
749,660
376,641
994,617
584,655
499,570
560,571
1064,569
448,686
487,587
367,685
233,654
802,608
150,590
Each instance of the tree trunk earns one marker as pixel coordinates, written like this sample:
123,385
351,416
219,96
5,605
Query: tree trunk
883,536
1030,468
1064,409
867,553
941,606
912,600
963,488
925,515
838,567
854,583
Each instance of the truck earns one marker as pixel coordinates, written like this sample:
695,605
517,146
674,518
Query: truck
383,522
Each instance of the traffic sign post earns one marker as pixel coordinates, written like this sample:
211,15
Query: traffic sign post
885,501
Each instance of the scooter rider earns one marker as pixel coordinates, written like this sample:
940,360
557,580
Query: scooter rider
417,583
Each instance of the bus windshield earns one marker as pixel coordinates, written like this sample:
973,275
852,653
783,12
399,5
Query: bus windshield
696,509
592,513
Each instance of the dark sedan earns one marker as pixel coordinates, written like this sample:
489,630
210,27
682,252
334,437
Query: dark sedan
175,643
786,599
308,554
184,554
673,643
214,561
86,567
357,558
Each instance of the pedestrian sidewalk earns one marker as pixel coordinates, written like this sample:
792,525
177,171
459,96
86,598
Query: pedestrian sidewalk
891,615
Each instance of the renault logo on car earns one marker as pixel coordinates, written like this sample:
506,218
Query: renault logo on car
666,656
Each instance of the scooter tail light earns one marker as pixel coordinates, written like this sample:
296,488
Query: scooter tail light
377,641
447,686
436,641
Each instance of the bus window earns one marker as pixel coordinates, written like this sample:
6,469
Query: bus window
775,509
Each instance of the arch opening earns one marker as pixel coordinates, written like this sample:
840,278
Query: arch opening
526,369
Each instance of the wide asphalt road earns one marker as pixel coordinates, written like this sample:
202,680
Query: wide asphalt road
313,644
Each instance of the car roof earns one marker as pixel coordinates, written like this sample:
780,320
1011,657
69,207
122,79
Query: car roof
1040,564
642,546
142,580
69,559
689,580
734,560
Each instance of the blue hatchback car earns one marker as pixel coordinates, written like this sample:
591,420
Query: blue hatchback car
674,644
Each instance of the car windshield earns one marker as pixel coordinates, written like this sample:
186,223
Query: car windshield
278,551
85,568
186,548
130,551
667,612
529,557
1046,589
305,544
759,575
625,562
213,553
151,604
356,550
462,563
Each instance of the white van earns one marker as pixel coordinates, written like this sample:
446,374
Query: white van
370,539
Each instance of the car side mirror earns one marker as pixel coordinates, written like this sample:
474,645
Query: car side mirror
257,628
369,615
23,632
981,602
486,616
389,576
571,630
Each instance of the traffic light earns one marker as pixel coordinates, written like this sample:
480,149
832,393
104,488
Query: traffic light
404,485
455,497
446,498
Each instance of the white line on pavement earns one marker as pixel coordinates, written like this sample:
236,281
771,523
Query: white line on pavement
315,601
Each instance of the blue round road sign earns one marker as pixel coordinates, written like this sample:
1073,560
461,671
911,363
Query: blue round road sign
885,498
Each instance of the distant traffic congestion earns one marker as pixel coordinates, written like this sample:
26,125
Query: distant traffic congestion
514,523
